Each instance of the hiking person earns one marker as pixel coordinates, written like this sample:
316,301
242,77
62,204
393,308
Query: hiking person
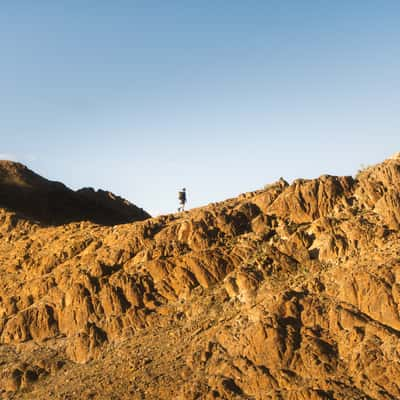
182,199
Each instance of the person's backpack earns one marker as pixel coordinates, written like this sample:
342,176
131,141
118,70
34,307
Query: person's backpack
182,197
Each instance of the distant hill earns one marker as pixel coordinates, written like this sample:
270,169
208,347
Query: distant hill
52,203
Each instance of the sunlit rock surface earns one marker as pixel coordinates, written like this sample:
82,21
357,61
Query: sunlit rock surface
290,292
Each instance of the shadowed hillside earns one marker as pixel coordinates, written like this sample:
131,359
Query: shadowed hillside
291,292
52,203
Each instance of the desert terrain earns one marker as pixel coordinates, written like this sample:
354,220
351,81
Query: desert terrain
288,292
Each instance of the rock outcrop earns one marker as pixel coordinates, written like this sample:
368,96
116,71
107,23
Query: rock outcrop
290,292
52,203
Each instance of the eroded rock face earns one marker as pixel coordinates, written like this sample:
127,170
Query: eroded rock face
291,292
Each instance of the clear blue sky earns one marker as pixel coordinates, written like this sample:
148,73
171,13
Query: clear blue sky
221,97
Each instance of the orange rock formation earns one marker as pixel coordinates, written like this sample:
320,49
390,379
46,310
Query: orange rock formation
291,292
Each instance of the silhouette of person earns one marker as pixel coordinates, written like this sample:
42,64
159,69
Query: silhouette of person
182,199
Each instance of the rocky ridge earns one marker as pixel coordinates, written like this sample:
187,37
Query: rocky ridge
52,203
290,292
